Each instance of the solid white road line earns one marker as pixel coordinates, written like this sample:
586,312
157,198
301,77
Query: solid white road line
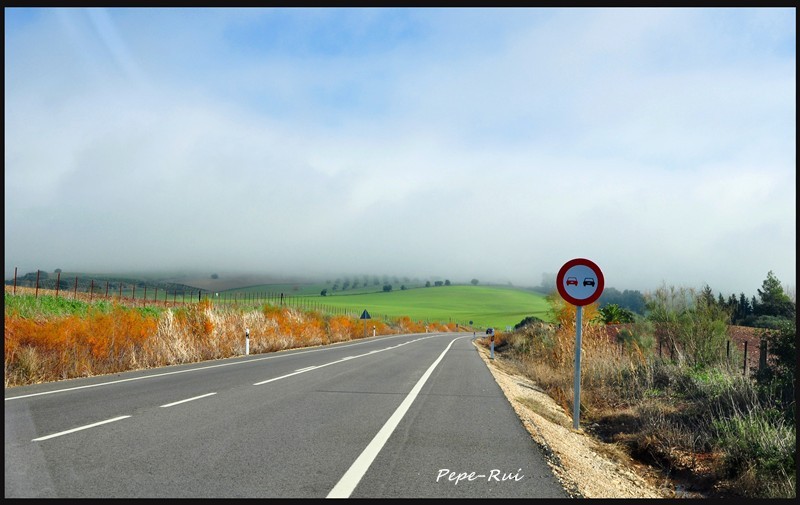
346,358
344,488
187,400
79,429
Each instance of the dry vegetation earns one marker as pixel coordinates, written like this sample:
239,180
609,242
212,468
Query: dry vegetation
691,430
49,338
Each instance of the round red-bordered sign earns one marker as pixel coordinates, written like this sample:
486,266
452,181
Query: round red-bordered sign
580,281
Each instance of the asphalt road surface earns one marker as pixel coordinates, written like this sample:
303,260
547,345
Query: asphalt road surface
405,416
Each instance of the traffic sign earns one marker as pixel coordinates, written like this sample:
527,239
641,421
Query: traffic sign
365,315
580,282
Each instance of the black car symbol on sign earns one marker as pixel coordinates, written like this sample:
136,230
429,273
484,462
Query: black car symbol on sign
588,281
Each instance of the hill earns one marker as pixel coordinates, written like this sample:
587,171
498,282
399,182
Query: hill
484,306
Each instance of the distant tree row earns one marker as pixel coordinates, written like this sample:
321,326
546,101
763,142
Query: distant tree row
629,299
768,310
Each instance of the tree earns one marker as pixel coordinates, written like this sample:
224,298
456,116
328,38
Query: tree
447,282
324,292
214,276
474,282
743,309
774,301
387,288
628,299
438,283
708,295
427,284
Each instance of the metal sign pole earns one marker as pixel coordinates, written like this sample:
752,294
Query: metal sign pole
576,409
582,293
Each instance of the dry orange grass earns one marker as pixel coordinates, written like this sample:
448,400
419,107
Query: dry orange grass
549,358
61,347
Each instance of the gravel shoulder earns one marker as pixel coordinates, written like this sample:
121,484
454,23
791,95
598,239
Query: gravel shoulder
586,467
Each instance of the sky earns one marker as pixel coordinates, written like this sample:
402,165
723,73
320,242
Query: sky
451,143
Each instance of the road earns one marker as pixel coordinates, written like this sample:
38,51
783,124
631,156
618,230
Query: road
405,416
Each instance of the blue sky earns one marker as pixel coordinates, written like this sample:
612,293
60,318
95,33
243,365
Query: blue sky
460,143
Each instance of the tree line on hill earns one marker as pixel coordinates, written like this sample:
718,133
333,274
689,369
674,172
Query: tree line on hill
769,309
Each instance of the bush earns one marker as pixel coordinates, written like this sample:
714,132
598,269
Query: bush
759,449
769,322
778,378
528,320
694,328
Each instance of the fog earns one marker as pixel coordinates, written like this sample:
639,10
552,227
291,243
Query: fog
447,143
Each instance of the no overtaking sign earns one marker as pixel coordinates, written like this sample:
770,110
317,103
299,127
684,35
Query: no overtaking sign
580,282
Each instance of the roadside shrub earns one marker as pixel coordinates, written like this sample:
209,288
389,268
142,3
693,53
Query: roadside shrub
777,380
694,328
759,450
529,320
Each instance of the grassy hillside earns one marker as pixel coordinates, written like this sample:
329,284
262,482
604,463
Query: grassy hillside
485,306
496,306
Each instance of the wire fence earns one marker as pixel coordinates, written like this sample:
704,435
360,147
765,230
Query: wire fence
745,349
139,293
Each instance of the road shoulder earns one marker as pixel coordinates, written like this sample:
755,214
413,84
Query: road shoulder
586,467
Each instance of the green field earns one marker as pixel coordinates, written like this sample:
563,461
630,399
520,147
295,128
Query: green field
485,306
495,306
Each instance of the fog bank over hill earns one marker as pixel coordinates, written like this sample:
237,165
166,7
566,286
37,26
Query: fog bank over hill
658,143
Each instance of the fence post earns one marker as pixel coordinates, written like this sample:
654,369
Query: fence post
14,291
58,282
37,284
75,292
762,357
91,290
106,289
744,367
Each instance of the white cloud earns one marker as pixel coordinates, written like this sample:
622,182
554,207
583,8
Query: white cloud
656,142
